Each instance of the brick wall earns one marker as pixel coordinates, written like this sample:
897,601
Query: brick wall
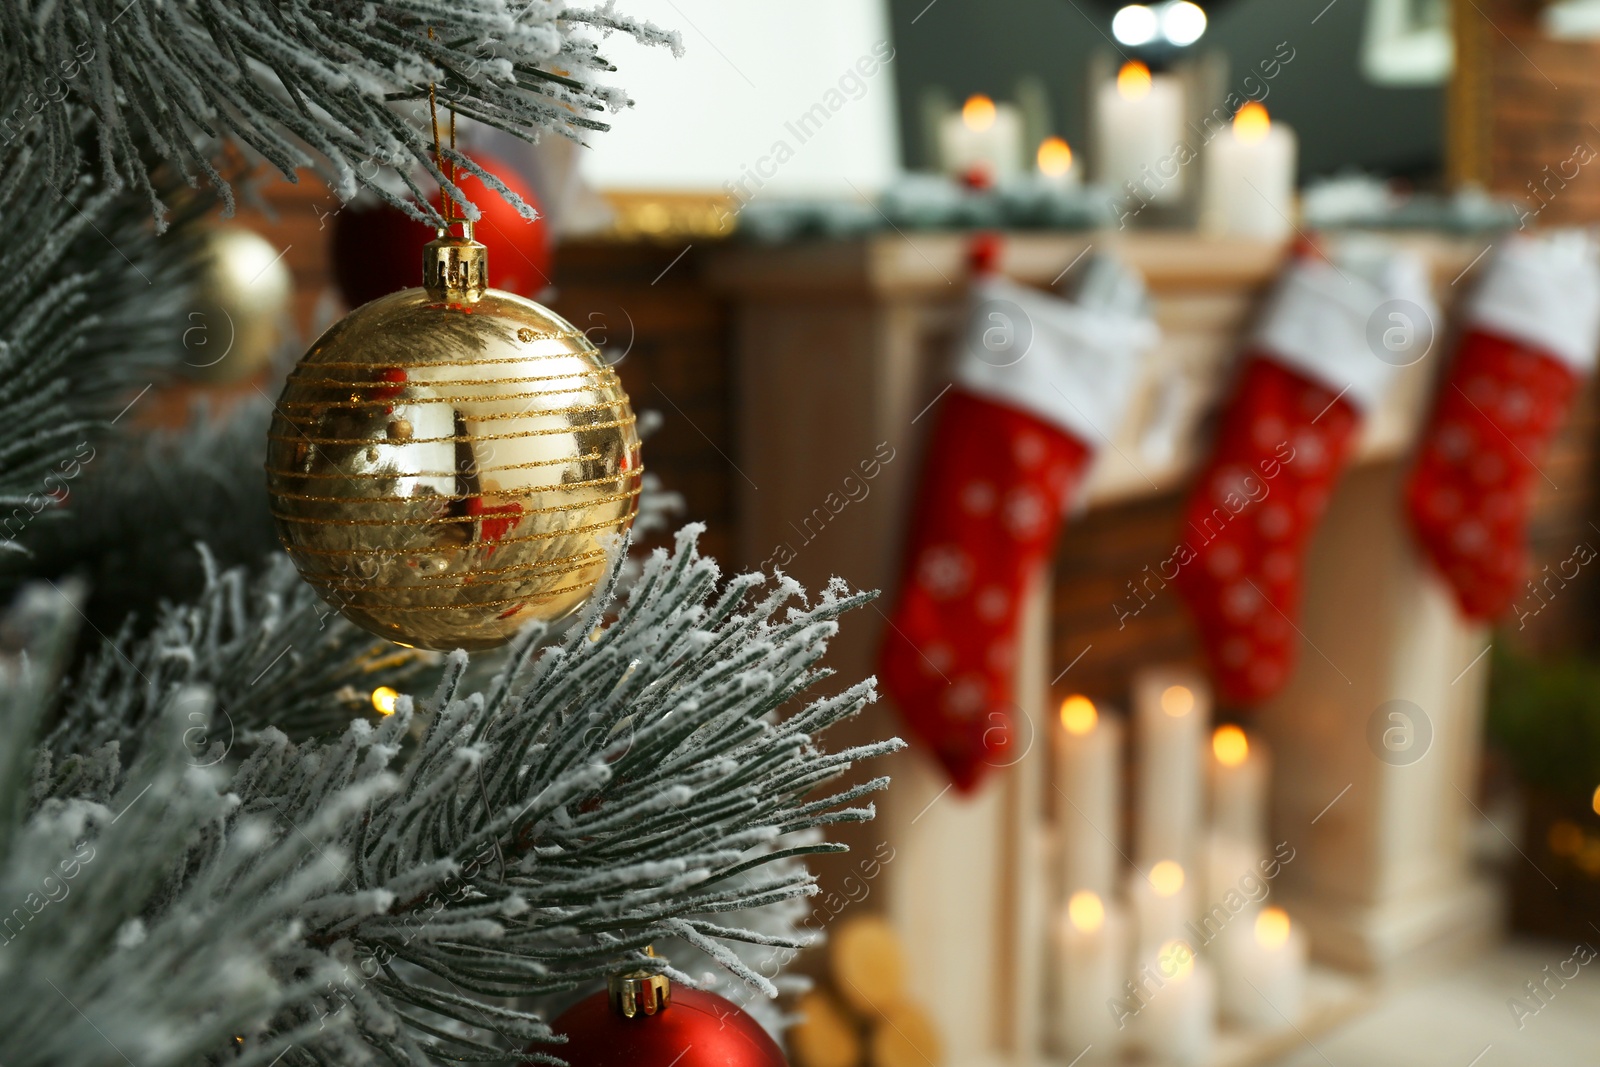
1525,110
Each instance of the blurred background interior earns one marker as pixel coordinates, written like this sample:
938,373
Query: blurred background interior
1397,845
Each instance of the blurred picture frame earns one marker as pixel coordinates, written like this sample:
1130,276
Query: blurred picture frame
1408,43
1572,19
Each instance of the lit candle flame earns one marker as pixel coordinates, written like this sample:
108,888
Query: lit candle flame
1078,715
1166,878
978,112
1251,124
1055,157
1177,701
1133,80
383,699
1176,960
1230,746
1272,927
1085,911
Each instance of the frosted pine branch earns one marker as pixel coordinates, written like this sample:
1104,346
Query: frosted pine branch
637,782
334,85
91,320
266,647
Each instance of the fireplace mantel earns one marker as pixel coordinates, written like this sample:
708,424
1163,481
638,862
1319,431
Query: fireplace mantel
839,351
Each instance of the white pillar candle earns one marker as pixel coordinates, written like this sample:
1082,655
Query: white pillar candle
1263,971
1091,966
1056,164
1138,129
1172,708
1248,189
982,136
1162,901
1088,766
1178,1020
1234,887
1239,769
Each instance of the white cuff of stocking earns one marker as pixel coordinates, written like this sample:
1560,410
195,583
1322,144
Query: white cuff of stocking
1074,367
1331,322
1544,292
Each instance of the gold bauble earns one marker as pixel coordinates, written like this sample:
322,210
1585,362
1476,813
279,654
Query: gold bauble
450,463
241,306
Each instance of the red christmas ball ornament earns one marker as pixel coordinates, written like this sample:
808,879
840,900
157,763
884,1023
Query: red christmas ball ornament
376,247
643,1021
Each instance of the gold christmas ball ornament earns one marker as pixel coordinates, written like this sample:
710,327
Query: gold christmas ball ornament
241,306
450,463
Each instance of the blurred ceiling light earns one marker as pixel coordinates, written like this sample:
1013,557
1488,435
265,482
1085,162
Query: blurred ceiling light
1134,25
978,112
1183,23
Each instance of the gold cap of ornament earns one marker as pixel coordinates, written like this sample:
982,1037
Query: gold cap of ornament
640,993
455,269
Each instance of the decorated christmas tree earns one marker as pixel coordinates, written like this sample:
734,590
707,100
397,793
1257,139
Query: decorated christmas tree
236,827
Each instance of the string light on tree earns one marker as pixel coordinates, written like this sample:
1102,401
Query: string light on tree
383,700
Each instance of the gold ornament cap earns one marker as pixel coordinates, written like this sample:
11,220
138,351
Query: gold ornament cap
455,269
640,993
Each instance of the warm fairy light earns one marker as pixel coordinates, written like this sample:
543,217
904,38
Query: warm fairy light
1133,80
1177,701
1272,928
1055,157
978,112
1166,878
1078,715
1566,837
1230,746
1594,801
383,698
1085,911
1251,124
1178,958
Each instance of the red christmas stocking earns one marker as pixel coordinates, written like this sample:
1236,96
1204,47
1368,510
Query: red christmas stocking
1037,379
1286,433
1531,330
